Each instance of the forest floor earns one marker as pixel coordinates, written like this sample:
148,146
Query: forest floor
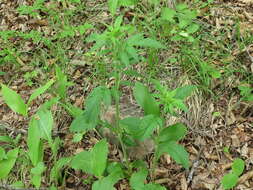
220,116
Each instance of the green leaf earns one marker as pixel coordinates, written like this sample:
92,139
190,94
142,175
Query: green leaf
34,143
127,2
192,28
145,100
18,185
176,151
7,164
137,179
2,154
112,4
61,83
107,182
184,92
173,133
14,100
36,174
79,124
229,180
168,14
238,166
149,43
40,91
45,124
93,161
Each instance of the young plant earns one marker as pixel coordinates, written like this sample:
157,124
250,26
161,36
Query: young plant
230,180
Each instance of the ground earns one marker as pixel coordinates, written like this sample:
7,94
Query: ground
219,119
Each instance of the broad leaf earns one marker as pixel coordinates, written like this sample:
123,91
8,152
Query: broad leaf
238,166
2,154
80,124
173,133
40,91
137,179
127,2
176,151
229,181
45,124
93,161
34,143
145,100
14,100
7,164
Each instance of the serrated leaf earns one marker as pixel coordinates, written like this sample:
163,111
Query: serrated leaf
229,181
34,143
176,151
168,14
93,161
113,4
238,166
7,164
173,133
40,91
137,179
14,100
145,100
79,124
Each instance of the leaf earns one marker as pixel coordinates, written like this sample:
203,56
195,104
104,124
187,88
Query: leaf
137,179
93,161
173,133
238,166
168,14
34,143
79,124
7,164
2,154
98,96
176,151
45,124
36,174
145,100
229,181
112,4
184,92
141,129
40,91
192,28
127,2
147,42
14,100
107,182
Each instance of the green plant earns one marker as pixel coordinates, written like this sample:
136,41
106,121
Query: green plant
246,92
230,180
